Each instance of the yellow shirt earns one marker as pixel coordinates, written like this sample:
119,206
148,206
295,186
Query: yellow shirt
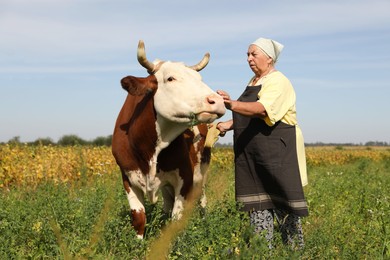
277,95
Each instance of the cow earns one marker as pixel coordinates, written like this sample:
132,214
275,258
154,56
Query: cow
159,135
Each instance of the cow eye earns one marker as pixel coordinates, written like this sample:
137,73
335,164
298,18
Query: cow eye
171,79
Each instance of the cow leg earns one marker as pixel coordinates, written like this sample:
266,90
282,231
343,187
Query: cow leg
178,205
137,208
204,170
135,198
168,195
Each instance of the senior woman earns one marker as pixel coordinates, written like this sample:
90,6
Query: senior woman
270,163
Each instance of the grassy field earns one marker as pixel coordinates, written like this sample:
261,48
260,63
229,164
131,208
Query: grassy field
68,202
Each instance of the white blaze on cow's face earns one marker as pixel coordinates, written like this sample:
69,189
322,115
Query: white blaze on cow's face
183,97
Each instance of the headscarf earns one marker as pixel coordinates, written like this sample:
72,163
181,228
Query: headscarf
270,47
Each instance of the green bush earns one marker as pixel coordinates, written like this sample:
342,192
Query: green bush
71,140
102,141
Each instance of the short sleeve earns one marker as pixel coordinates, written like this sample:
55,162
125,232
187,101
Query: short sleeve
277,96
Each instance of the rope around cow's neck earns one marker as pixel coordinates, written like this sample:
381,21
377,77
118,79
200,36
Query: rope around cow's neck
193,120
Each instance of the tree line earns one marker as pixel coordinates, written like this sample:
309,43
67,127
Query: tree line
66,140
370,143
71,140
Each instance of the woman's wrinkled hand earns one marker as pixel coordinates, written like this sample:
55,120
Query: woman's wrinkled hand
226,98
222,129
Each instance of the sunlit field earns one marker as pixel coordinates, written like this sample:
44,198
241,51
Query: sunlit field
68,202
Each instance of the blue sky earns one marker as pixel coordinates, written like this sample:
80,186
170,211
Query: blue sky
61,61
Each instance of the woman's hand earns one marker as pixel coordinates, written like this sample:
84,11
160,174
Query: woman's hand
223,127
226,98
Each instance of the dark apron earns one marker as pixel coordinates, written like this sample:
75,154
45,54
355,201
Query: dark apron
266,163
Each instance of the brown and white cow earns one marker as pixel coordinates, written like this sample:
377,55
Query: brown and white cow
158,140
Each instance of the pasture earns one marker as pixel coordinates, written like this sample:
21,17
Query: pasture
68,202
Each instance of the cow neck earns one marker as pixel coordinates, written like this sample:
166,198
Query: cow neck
167,131
133,147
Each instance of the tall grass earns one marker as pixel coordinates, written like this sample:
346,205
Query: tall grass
88,218
350,209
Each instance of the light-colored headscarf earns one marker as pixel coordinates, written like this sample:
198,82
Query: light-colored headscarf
270,47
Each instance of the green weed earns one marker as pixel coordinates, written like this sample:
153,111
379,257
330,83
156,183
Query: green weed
349,208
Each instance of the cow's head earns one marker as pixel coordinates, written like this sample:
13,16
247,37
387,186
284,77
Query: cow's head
180,95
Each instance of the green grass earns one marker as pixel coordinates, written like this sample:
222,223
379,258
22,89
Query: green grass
349,219
350,209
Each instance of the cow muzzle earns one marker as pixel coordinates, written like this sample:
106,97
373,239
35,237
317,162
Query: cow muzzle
217,105
214,108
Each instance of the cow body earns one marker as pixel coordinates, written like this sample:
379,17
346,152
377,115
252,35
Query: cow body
152,142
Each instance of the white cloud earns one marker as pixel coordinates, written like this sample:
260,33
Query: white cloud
67,69
78,26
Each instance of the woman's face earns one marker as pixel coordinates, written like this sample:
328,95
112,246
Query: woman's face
258,61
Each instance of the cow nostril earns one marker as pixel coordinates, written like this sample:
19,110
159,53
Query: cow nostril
210,100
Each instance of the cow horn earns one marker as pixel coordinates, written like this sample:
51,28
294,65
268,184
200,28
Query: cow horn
202,63
141,56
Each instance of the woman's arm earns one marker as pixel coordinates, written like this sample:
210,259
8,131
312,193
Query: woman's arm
251,109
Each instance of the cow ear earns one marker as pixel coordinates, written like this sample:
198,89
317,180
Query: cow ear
129,83
138,86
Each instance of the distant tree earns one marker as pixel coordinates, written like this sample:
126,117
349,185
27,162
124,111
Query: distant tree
102,141
70,140
220,145
43,141
376,143
14,140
